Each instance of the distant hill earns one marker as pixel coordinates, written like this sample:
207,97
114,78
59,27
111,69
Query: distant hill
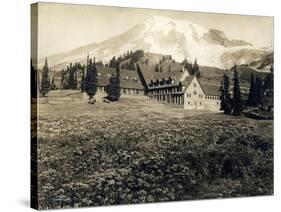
263,63
167,66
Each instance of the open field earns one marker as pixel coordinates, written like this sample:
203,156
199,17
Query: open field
136,151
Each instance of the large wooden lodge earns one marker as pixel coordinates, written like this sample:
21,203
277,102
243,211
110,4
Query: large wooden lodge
176,87
182,90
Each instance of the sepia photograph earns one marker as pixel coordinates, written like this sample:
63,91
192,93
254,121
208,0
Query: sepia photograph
133,105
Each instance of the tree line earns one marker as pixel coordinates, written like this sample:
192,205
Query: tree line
193,69
132,58
234,104
89,80
69,77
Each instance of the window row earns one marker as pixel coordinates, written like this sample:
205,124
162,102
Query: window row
200,103
212,97
199,95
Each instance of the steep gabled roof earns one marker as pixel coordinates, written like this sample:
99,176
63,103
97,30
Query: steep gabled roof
187,81
209,90
150,74
128,78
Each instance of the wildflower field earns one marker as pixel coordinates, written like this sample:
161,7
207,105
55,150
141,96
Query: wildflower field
137,151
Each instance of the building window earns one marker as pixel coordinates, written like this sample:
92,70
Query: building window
194,92
194,85
200,103
189,103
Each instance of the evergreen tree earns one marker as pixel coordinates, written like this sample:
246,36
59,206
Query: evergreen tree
112,62
184,62
45,81
268,83
53,85
63,80
271,85
222,97
258,92
82,85
195,68
131,65
113,89
189,68
237,106
91,80
251,96
156,68
225,96
71,77
198,74
75,80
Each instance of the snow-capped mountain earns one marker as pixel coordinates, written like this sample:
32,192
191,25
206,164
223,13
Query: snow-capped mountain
179,38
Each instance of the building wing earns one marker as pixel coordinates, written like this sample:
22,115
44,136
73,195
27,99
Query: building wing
128,78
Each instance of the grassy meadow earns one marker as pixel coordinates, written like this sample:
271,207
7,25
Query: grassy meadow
137,150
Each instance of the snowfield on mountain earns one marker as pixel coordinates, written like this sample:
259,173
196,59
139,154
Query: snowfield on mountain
167,36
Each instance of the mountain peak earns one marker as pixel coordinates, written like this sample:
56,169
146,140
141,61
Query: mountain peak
164,22
167,36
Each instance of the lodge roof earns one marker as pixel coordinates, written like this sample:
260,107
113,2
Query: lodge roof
209,90
128,78
186,82
150,74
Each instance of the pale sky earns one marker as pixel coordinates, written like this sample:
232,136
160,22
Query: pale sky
62,27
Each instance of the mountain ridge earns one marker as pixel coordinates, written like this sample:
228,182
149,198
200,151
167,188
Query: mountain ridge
167,36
